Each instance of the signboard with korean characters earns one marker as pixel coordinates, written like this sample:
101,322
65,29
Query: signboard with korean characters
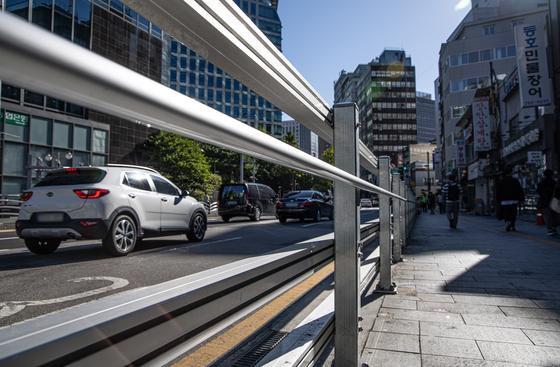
534,157
481,124
16,118
530,40
461,156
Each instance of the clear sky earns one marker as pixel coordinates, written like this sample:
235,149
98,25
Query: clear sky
322,37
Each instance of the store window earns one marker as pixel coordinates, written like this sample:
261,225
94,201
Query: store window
41,131
82,137
62,135
100,140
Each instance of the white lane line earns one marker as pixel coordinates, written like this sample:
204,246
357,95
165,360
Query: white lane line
309,225
9,238
10,308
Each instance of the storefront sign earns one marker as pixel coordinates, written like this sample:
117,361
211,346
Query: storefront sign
529,138
461,156
534,157
437,155
530,41
473,171
16,118
481,124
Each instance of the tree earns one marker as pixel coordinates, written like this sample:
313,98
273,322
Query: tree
180,159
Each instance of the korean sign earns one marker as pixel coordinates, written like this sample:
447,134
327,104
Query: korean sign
461,157
532,64
16,118
534,157
481,124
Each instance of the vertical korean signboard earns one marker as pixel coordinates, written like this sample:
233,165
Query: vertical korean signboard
461,157
532,64
481,124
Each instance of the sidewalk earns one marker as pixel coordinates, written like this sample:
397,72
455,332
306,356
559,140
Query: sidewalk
472,296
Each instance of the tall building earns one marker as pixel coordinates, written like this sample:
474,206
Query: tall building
307,140
192,75
45,132
385,92
425,117
483,43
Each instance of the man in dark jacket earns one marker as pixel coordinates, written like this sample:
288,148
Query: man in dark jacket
510,194
545,189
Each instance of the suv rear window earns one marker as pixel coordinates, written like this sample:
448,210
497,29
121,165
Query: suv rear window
299,195
73,176
233,193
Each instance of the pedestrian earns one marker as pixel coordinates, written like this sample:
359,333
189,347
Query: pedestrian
451,192
432,202
424,202
545,189
206,198
509,194
440,202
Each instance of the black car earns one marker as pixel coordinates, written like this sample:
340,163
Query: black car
246,199
304,204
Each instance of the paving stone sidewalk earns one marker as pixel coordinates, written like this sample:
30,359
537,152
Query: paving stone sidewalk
472,296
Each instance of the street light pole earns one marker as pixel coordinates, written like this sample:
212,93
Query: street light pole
429,185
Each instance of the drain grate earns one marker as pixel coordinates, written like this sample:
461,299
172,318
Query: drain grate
260,350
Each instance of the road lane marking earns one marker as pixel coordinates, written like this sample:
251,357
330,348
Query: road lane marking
10,308
214,349
9,238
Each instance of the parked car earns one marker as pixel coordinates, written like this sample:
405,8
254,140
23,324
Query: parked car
117,204
251,200
304,204
365,202
375,201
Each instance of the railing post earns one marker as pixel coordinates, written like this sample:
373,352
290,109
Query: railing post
397,219
403,215
346,236
385,284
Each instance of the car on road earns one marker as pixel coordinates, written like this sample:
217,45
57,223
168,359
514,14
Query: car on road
251,200
117,204
304,204
375,201
365,202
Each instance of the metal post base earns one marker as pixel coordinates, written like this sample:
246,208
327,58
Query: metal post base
400,259
392,289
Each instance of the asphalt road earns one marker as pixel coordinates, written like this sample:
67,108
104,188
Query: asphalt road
80,271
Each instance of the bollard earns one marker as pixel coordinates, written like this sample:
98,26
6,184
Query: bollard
540,218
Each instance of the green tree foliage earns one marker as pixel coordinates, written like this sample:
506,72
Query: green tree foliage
180,159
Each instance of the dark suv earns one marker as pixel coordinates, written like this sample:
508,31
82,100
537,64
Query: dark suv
246,199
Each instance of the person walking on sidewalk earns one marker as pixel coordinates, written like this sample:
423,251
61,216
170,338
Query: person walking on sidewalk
509,194
432,202
440,203
424,202
545,189
451,192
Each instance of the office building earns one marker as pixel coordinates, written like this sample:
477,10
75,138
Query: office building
425,117
385,93
483,43
306,139
44,132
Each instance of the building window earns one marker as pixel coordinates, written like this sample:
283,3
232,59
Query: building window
489,30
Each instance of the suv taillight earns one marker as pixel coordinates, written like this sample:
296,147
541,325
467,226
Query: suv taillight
26,195
306,203
91,193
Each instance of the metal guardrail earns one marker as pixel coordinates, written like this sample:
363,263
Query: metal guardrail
9,205
132,327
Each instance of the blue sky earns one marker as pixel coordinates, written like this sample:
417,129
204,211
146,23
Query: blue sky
322,37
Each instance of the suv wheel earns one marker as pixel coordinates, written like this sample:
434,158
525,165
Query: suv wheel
331,216
282,219
121,238
256,215
198,229
41,247
225,218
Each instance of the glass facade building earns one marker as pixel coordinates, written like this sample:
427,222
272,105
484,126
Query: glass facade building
44,129
425,117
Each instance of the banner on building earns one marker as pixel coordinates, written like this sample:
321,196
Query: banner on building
461,156
16,118
437,155
530,41
473,171
481,124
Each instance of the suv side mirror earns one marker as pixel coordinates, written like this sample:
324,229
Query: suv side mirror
184,193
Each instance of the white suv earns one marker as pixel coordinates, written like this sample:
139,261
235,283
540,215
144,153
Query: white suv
117,204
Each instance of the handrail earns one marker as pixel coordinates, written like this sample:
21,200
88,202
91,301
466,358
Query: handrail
142,321
44,62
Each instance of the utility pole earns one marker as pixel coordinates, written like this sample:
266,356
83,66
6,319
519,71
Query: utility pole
429,185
